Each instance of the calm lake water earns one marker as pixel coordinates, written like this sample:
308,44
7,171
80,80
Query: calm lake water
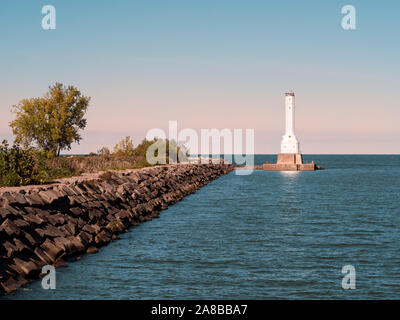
268,235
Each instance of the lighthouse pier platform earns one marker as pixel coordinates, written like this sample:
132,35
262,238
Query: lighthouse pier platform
290,162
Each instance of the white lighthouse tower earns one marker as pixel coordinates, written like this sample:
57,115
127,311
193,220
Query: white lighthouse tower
290,158
290,143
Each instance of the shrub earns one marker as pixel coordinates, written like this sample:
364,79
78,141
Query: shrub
104,152
171,152
17,165
60,167
124,148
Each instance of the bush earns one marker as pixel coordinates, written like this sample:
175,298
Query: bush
171,151
17,165
104,152
124,148
57,167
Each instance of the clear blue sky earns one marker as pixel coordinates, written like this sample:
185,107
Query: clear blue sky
220,63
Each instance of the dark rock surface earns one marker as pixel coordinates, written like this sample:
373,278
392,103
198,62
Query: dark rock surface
42,225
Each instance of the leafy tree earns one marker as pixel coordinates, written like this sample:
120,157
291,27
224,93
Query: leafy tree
167,150
140,150
177,152
52,122
104,152
124,148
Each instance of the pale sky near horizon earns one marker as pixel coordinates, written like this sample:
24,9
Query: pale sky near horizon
212,64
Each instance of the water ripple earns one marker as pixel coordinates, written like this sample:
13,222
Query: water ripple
270,235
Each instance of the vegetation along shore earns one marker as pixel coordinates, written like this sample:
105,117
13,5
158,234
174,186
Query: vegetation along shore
45,220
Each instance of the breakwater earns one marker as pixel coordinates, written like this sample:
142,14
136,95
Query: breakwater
47,224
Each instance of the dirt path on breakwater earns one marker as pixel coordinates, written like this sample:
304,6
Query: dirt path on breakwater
46,224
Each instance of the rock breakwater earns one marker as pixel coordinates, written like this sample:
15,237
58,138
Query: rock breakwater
48,224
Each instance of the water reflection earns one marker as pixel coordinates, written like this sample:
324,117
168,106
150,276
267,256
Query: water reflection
289,174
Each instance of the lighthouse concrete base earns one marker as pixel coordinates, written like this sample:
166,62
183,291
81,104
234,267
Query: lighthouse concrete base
289,158
290,162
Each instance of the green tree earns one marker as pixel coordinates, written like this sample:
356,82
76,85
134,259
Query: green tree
52,122
167,150
124,148
104,152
